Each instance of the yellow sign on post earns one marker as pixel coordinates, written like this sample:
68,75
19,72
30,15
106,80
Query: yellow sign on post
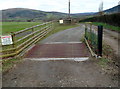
6,40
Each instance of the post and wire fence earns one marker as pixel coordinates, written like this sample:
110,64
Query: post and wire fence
93,38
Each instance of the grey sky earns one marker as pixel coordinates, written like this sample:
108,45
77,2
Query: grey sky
77,6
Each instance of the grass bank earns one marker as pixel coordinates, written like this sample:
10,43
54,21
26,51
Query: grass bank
107,26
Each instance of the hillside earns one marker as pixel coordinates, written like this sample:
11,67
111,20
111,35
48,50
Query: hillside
24,14
113,10
30,14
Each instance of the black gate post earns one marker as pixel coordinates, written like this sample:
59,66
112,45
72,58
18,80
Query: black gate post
100,36
85,32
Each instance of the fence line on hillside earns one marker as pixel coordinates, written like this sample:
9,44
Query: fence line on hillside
24,39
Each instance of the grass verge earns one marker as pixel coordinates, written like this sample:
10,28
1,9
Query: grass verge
109,61
58,27
8,64
106,55
107,26
103,62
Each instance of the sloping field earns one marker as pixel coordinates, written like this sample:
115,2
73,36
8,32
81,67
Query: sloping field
8,27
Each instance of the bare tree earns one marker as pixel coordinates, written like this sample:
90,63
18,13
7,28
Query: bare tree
119,3
101,8
118,6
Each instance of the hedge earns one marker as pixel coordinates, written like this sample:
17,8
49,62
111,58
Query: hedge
112,19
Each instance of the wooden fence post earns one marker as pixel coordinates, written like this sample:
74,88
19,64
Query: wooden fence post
51,25
90,32
33,31
13,39
45,25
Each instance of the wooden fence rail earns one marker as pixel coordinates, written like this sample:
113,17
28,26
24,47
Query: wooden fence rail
23,39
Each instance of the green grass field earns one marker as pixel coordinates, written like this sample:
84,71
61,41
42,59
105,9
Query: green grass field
107,26
8,27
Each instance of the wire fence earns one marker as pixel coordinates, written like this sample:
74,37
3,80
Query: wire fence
94,38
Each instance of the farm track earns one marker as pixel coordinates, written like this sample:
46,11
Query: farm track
112,38
63,73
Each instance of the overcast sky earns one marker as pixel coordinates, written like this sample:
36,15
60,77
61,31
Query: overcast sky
77,6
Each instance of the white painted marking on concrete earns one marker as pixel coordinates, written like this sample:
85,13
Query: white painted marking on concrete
62,42
56,59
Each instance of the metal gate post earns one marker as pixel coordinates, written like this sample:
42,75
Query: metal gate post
100,36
